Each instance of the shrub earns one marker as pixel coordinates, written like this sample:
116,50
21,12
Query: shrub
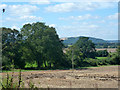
90,62
102,53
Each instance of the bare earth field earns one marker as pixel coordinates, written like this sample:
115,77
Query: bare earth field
108,49
94,77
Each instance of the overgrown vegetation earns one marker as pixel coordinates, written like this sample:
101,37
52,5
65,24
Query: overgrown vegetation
38,46
102,53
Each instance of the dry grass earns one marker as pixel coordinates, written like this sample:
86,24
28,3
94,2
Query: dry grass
97,77
108,49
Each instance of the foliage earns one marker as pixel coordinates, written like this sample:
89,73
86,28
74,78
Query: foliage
99,43
9,81
86,47
83,48
42,45
115,58
11,46
101,58
38,46
102,53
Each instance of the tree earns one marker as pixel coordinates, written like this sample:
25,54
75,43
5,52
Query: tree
85,46
10,47
102,53
82,49
42,45
118,55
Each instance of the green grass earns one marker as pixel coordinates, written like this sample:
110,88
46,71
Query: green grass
34,65
113,53
17,70
101,58
29,65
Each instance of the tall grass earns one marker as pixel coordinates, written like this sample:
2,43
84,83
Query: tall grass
10,82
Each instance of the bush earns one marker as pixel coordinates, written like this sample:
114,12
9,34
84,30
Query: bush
102,53
115,60
95,62
90,62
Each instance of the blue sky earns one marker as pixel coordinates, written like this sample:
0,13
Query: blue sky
71,19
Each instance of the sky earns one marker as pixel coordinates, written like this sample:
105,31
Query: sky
71,19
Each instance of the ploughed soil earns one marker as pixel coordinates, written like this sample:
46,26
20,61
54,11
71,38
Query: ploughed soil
108,49
94,77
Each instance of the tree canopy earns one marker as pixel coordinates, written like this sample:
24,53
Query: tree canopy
42,44
83,48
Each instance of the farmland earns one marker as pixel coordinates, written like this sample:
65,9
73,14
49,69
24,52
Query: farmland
93,77
108,49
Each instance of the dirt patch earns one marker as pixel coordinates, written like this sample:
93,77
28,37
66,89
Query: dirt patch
98,77
108,49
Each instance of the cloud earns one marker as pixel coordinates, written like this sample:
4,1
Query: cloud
27,23
114,16
65,7
20,13
84,17
79,30
30,18
81,6
52,25
64,0
15,27
93,26
85,0
18,10
23,18
92,30
3,6
39,2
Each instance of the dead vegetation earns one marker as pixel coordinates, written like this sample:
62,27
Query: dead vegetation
97,77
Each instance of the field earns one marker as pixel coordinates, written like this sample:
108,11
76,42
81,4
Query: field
108,49
93,77
101,58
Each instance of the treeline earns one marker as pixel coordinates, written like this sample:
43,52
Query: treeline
84,54
106,45
34,43
40,44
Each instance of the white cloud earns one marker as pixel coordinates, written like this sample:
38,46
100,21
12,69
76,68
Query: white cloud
85,0
52,25
18,13
79,30
65,7
24,18
93,26
31,18
3,6
65,0
81,6
114,16
39,2
27,23
92,30
84,17
19,10
15,27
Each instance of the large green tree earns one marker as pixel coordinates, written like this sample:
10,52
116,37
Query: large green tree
83,48
11,44
42,45
86,46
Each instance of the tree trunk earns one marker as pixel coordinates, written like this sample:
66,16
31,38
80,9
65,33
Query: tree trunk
38,62
45,64
50,65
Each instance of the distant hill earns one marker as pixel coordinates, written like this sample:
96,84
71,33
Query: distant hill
112,41
72,40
